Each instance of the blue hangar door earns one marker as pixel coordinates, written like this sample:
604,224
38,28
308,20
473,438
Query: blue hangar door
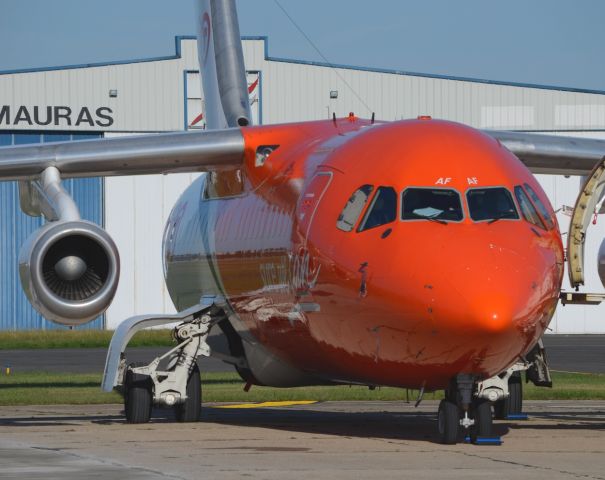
16,313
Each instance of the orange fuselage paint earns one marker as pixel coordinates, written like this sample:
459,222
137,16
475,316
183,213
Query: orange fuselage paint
408,303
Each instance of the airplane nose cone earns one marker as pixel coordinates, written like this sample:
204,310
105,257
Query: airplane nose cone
496,287
493,312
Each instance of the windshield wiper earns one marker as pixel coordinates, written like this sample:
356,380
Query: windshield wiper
432,219
500,217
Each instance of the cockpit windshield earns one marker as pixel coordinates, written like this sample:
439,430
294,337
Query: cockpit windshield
491,204
353,208
431,204
382,210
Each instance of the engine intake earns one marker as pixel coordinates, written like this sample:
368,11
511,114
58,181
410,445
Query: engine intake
69,271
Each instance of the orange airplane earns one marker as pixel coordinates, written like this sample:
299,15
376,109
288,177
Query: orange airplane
416,254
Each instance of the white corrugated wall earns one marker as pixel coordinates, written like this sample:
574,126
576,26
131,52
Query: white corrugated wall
136,210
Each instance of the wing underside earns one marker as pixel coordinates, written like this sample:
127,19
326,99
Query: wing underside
139,155
222,149
553,154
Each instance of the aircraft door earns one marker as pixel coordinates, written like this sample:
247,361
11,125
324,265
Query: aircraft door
310,201
589,202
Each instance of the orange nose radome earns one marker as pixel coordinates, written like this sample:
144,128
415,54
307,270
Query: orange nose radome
494,313
496,288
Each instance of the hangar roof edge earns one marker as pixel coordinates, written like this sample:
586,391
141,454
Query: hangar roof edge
179,38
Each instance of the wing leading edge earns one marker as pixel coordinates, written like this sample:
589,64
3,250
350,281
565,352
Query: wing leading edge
552,154
222,149
138,155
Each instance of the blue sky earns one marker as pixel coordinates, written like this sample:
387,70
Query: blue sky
549,42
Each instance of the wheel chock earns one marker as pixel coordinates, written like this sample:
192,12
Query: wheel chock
487,441
517,416
483,440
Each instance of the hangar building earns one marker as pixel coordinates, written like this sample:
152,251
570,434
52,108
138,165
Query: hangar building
163,94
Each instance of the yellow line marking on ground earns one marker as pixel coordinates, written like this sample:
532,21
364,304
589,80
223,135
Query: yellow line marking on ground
268,404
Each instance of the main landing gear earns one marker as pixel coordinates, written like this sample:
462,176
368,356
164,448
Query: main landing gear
178,386
171,380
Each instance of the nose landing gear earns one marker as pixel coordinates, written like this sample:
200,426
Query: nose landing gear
460,411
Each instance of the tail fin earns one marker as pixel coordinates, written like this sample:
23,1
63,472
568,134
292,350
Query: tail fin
222,69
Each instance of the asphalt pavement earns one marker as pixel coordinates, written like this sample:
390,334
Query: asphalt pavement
561,440
576,353
573,353
87,360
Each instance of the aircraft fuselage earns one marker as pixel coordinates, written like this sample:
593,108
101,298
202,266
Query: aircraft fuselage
410,300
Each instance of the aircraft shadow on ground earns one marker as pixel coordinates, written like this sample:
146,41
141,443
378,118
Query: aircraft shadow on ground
58,420
360,425
384,425
572,420
419,426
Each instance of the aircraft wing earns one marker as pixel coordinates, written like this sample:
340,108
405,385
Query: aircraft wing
198,151
217,149
553,154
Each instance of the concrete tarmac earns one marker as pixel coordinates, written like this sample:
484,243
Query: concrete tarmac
332,440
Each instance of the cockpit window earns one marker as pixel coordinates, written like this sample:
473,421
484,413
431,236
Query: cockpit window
491,204
431,204
353,208
540,206
382,210
527,209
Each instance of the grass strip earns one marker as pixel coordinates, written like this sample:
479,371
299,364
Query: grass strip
43,339
56,388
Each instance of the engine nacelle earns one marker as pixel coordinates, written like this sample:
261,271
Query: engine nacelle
601,264
69,271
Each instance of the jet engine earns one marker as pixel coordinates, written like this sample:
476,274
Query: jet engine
69,271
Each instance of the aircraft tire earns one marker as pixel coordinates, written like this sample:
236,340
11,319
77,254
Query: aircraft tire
137,397
515,400
448,422
483,419
191,409
513,405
